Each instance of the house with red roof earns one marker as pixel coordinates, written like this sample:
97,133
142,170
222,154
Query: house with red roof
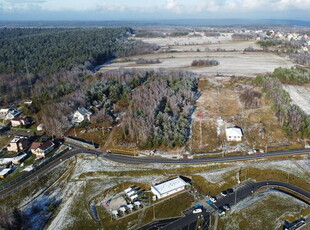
42,149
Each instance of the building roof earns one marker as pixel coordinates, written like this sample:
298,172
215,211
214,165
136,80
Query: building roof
46,145
84,111
234,131
3,172
169,185
35,145
17,139
20,157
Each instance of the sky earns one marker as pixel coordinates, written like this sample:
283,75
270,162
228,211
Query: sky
153,9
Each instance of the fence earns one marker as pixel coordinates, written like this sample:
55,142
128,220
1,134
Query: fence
81,142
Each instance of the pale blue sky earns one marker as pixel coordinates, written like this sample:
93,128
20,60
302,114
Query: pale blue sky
155,9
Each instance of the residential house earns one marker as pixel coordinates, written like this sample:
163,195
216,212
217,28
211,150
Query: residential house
42,149
13,113
18,144
20,121
234,133
81,115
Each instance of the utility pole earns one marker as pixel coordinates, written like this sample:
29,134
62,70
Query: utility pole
235,197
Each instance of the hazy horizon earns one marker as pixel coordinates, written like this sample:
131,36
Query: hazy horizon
97,10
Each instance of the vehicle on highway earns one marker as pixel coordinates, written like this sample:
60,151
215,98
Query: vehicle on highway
224,193
226,207
213,199
197,210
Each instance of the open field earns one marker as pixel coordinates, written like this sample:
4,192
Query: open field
300,96
187,40
266,210
231,63
219,106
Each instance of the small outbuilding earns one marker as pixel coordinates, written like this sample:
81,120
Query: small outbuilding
234,133
5,172
169,187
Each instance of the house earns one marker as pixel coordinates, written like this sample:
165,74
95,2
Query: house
5,172
9,114
81,115
42,149
18,144
169,187
234,133
127,190
20,121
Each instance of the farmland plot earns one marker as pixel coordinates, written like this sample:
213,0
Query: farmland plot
300,95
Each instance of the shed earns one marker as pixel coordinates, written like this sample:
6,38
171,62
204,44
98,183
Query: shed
122,209
133,197
5,172
131,193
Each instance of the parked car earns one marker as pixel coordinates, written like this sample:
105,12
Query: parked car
230,190
226,207
197,210
213,199
224,193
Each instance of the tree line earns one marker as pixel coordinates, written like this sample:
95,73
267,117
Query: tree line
293,120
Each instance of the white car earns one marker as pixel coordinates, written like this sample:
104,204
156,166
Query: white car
226,207
197,210
213,199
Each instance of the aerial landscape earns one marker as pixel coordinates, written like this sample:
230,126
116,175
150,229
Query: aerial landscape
154,115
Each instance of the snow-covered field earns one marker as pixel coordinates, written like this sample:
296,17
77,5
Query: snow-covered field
300,95
231,63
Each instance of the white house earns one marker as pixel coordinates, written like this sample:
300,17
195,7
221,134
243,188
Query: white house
127,190
9,114
169,187
81,115
234,133
137,204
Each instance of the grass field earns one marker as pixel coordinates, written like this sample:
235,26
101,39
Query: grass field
267,213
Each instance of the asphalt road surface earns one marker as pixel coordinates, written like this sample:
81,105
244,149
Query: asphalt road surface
140,160
250,187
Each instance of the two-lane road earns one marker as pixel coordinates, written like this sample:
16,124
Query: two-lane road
140,160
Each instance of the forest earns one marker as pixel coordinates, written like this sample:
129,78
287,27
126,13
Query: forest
55,54
153,107
292,119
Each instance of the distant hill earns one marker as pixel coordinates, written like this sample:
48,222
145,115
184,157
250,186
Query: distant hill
170,22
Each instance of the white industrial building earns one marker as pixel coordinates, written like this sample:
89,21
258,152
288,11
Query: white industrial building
234,133
169,187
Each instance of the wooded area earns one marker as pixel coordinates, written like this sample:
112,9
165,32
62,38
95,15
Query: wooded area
292,119
56,58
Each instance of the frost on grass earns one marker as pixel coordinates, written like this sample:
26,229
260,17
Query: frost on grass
265,210
300,96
